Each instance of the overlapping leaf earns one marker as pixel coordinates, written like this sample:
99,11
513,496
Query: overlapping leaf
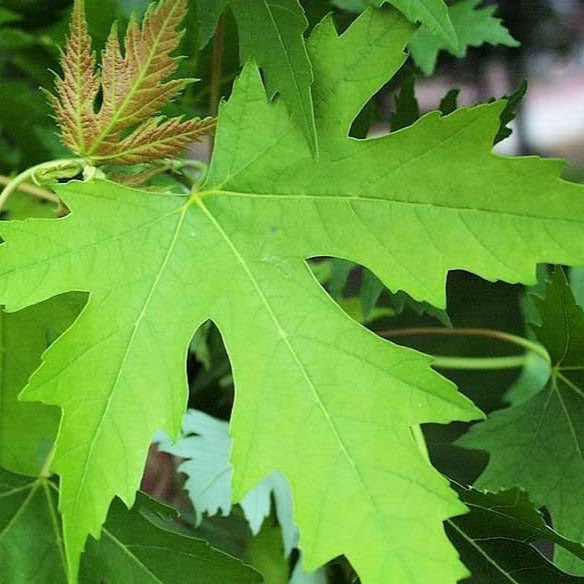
27,430
431,13
474,26
409,206
546,430
131,549
454,28
134,86
270,32
496,540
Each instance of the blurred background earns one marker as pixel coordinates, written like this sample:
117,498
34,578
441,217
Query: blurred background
550,121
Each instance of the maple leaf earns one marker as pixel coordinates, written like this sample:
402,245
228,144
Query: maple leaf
431,13
455,27
134,87
410,206
474,27
133,547
545,429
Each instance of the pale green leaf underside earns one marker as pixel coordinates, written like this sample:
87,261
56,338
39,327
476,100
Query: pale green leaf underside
409,206
205,446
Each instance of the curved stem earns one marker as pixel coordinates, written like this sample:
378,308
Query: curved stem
31,190
61,168
479,363
470,332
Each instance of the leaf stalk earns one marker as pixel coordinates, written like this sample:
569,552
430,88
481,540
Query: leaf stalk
479,363
54,169
30,190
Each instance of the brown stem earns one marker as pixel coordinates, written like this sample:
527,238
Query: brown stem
468,332
451,332
215,91
31,190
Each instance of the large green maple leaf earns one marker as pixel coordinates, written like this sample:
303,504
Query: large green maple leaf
409,206
545,431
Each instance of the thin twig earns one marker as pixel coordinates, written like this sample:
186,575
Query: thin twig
468,332
31,190
63,168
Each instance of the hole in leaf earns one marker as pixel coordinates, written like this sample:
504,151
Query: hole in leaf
209,373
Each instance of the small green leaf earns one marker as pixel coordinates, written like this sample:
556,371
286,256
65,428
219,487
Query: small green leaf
449,102
509,112
430,13
473,27
407,109
271,34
